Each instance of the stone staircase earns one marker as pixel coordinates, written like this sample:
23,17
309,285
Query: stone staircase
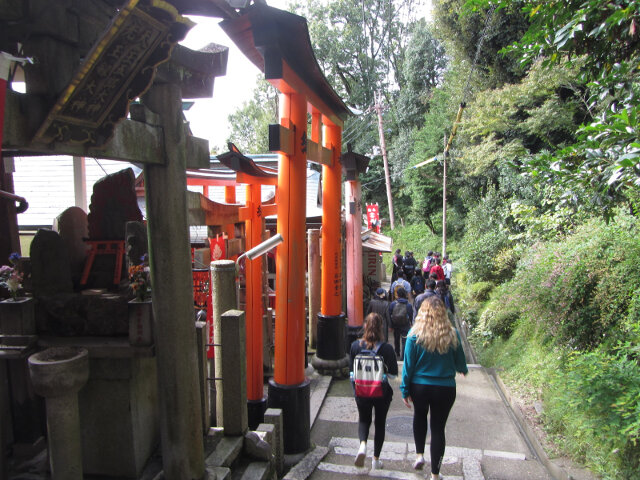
397,457
253,456
229,461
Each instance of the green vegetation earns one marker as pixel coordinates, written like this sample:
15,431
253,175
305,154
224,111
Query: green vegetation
566,329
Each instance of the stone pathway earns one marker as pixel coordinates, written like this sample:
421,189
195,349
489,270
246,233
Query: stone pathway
483,440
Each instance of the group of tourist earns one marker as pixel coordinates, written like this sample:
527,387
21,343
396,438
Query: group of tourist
432,355
399,306
433,263
419,309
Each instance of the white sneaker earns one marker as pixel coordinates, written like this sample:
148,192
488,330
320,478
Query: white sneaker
361,455
419,463
376,464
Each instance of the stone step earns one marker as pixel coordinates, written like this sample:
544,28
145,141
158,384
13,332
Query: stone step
459,463
226,452
304,468
258,471
218,473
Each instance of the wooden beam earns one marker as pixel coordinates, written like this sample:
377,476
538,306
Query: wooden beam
202,211
270,209
250,179
318,154
205,182
265,210
282,76
132,141
280,139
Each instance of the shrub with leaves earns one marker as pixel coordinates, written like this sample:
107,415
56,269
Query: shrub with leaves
594,404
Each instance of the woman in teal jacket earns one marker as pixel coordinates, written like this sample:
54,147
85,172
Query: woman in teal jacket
433,354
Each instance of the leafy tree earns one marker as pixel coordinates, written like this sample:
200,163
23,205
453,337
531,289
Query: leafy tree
360,45
250,123
423,69
601,35
462,29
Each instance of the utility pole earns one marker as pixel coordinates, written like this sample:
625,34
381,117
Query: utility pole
444,197
383,147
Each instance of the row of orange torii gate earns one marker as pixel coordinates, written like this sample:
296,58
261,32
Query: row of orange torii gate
290,319
278,43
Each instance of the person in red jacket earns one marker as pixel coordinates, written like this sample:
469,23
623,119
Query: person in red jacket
437,269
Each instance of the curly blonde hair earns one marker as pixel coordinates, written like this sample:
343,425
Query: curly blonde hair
432,327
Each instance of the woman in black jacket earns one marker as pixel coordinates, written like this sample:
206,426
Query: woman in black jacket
372,339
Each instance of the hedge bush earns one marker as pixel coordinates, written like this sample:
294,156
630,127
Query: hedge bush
577,303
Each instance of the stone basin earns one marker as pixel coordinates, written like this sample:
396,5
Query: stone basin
59,371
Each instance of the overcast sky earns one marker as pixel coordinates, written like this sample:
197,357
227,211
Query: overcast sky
208,116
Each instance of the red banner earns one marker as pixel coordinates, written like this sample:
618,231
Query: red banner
373,217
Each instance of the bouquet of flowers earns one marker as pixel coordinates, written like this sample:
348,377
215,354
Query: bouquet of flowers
11,277
140,280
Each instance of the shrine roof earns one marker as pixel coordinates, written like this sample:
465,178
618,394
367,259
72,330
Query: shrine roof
376,241
237,162
208,8
268,35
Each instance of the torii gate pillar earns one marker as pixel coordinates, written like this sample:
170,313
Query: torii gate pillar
330,357
354,164
278,42
289,389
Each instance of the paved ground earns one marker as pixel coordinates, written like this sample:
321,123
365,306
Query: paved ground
483,441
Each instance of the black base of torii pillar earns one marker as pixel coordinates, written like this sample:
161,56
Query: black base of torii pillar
255,412
330,358
295,401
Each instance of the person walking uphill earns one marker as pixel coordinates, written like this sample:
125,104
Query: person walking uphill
372,339
397,265
380,305
432,356
401,313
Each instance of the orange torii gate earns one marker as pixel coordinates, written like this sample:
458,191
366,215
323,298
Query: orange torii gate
278,43
253,213
227,215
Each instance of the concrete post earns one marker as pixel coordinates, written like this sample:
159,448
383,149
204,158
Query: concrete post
57,374
274,417
315,282
223,298
172,280
234,372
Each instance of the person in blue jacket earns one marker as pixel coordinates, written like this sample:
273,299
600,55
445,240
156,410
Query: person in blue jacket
432,356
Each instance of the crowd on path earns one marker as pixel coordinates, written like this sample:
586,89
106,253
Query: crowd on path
410,286
419,309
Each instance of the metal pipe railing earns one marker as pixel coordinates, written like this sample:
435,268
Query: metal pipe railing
23,204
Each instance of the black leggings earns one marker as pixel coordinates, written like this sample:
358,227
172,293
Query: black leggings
365,408
440,400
